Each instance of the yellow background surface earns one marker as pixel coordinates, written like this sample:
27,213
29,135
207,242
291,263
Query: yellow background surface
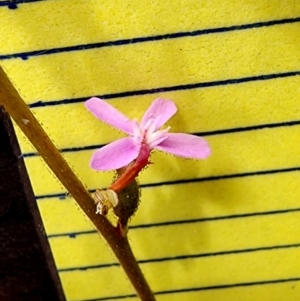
226,228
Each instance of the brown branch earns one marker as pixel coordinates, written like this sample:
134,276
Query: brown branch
19,111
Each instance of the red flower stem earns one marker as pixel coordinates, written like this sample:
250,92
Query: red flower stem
19,111
132,170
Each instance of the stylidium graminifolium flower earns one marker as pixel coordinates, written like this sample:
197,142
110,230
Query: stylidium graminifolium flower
142,137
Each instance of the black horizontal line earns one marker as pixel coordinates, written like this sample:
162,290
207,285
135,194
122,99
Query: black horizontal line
202,134
121,42
181,222
215,218
69,150
183,257
203,288
73,234
195,180
224,286
60,196
111,298
222,177
168,89
12,4
4,3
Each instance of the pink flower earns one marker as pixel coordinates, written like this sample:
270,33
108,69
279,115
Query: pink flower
143,137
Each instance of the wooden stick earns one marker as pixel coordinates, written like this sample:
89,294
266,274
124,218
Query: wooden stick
19,111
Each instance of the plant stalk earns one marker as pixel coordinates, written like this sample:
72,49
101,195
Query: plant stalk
19,111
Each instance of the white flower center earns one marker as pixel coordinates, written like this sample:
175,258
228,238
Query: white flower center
149,133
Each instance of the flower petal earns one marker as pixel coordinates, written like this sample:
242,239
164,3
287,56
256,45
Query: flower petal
161,110
184,145
108,114
116,154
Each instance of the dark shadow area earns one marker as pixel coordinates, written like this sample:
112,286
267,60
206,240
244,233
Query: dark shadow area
27,269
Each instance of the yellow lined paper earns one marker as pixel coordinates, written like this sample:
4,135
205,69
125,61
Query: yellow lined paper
221,229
